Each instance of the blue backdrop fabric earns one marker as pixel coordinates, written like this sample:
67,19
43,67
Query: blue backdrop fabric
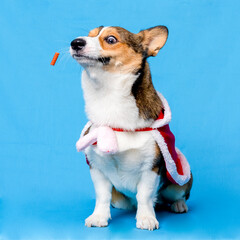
45,186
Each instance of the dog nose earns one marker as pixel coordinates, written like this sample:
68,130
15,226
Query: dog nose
78,44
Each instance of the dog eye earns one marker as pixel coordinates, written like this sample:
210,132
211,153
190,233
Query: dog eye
111,40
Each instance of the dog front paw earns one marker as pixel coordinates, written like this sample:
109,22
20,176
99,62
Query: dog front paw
96,220
147,222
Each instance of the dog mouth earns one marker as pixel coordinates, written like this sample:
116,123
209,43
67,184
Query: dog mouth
103,60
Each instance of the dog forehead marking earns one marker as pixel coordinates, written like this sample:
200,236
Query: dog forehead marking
94,41
102,31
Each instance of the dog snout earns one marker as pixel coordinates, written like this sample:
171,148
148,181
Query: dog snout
78,44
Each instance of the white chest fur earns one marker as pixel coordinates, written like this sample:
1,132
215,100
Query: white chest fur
109,101
124,169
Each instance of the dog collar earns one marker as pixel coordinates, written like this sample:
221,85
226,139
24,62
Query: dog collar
160,116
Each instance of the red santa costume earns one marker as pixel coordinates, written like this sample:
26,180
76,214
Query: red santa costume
178,169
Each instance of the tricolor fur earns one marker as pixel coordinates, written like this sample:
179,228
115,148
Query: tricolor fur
119,93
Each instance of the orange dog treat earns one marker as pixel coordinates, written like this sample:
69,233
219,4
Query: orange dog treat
55,57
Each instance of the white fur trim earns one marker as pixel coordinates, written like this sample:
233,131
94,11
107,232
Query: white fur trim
87,140
184,163
167,114
170,164
89,123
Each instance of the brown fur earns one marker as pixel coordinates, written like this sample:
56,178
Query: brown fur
147,100
87,131
95,31
117,196
129,56
124,55
174,192
159,166
121,201
158,161
154,39
131,49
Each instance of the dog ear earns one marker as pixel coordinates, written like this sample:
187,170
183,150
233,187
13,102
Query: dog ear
153,39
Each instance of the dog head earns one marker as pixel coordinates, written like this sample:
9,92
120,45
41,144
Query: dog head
117,50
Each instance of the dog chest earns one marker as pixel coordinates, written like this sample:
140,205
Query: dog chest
110,102
124,169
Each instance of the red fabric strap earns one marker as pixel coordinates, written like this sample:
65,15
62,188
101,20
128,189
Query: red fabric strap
161,116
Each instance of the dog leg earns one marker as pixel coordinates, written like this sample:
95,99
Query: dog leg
179,206
146,191
121,201
103,189
177,195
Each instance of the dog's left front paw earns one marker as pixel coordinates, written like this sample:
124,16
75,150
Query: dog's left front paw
147,222
96,220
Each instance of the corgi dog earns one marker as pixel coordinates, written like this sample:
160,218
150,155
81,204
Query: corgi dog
119,96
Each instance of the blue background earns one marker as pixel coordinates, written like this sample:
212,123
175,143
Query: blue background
45,186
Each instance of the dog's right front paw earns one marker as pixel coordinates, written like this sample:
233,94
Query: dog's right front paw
96,220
